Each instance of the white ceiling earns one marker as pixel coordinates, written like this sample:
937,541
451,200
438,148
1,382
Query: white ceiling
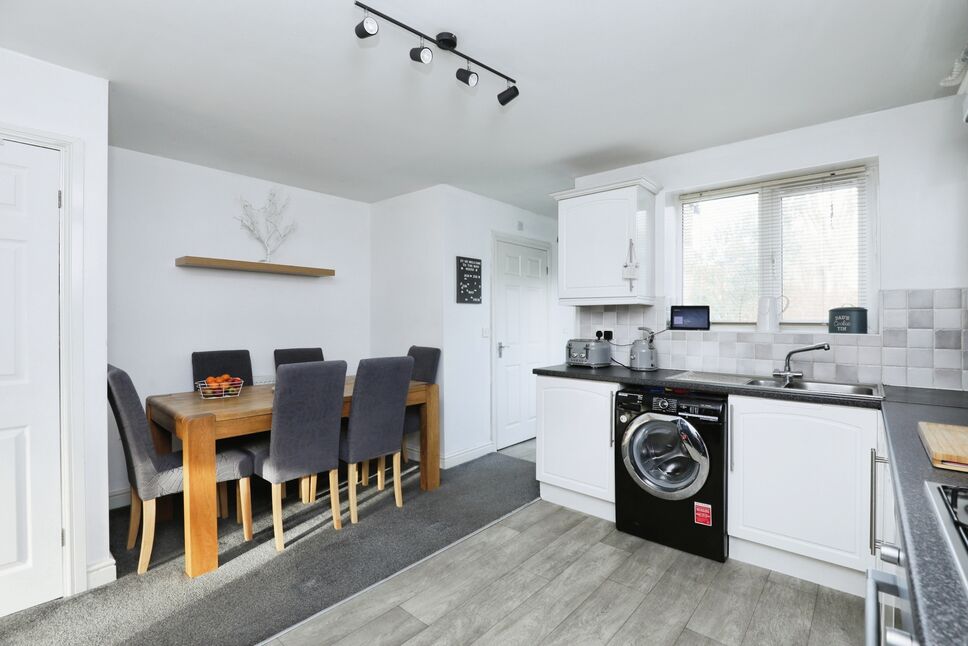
285,91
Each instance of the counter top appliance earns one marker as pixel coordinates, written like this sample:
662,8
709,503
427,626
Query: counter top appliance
590,353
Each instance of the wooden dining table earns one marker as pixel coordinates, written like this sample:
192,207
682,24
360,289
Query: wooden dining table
198,423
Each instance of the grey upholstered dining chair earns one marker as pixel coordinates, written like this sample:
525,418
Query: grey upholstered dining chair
213,363
152,474
375,426
425,362
304,441
297,355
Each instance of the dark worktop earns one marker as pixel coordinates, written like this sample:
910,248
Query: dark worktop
663,378
939,601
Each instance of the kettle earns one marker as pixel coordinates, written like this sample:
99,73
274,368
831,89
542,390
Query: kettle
643,356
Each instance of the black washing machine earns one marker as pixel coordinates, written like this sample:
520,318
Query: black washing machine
670,469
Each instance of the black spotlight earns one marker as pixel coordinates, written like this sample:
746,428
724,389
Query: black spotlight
422,54
466,76
367,27
508,95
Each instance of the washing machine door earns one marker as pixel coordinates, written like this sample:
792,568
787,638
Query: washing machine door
665,455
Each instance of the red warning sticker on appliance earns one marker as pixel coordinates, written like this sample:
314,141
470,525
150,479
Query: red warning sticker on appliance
703,514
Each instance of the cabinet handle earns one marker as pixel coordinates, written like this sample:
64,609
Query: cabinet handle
729,422
874,541
611,428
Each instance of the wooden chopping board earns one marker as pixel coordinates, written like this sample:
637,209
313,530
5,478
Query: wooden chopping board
946,444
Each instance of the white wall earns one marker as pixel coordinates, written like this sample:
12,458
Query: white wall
60,102
416,238
158,313
922,200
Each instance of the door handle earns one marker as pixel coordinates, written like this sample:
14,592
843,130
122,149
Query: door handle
500,350
874,541
876,582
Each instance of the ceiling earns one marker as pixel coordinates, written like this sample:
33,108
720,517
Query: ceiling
285,91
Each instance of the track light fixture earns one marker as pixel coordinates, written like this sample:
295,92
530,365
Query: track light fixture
422,54
367,27
445,41
508,95
466,76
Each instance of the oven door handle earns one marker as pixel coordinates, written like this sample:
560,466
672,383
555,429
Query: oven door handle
876,582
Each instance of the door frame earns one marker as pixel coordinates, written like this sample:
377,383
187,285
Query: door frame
532,243
71,359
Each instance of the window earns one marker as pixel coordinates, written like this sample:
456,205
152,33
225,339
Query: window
803,240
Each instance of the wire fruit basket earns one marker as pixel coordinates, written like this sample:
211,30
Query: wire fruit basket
219,390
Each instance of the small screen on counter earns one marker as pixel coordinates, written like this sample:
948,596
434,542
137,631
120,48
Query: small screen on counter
689,317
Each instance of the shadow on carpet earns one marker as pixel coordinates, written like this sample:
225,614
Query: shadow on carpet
258,592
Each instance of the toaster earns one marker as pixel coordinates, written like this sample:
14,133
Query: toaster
591,353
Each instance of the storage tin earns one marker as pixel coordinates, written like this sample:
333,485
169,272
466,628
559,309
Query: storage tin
847,320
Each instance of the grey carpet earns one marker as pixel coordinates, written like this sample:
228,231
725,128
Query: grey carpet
257,592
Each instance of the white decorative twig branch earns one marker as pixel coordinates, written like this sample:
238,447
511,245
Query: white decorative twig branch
266,223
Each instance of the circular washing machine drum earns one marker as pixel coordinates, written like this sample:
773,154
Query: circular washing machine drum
665,455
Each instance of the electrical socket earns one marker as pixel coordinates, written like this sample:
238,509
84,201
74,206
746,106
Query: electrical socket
608,335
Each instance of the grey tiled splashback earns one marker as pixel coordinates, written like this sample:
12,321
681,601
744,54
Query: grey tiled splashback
923,343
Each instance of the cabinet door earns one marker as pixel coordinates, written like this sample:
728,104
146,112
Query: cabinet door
799,478
593,241
575,449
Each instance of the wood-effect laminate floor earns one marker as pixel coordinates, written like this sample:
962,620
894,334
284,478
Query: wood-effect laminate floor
549,575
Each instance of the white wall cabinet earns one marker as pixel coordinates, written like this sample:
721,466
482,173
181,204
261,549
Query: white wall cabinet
606,244
575,450
800,478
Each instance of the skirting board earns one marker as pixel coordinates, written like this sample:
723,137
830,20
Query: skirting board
101,573
579,502
802,567
119,498
452,460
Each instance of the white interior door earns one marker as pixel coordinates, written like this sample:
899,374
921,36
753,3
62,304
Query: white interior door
520,321
30,485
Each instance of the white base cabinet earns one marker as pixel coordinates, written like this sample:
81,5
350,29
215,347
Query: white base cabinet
575,450
799,478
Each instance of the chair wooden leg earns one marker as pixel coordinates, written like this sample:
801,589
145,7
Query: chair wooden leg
365,474
403,450
381,467
238,502
397,485
312,488
304,489
277,490
147,535
244,503
334,499
351,480
223,499
284,490
135,519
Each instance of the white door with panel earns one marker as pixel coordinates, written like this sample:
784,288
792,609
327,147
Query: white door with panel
520,319
576,448
31,557
800,478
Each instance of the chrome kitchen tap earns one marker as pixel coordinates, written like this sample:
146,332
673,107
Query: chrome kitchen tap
787,374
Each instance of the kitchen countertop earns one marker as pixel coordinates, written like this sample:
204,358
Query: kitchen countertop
663,378
939,601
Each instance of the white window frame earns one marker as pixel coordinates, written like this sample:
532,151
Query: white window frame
775,186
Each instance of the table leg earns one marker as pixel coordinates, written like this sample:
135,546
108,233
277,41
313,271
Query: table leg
201,522
430,440
162,441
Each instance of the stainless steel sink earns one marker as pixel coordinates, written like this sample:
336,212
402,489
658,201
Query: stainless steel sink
768,382
836,389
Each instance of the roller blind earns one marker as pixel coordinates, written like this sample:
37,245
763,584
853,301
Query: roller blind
804,239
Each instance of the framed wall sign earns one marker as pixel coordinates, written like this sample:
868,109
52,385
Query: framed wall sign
468,280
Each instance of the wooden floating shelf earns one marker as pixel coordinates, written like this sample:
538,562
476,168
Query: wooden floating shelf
245,265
